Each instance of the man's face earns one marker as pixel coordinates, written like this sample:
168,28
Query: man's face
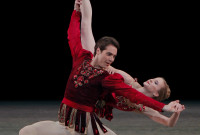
107,56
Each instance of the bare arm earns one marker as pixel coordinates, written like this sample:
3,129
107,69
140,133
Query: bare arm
159,118
127,78
87,38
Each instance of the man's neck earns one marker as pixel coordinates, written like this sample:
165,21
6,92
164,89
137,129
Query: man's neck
95,64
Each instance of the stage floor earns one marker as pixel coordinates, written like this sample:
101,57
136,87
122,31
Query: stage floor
16,114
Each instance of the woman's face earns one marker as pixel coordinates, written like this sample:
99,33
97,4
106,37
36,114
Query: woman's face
154,85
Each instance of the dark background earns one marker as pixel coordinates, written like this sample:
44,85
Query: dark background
157,39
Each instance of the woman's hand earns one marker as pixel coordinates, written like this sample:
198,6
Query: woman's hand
174,106
77,5
111,70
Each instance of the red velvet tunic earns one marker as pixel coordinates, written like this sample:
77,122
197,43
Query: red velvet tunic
86,84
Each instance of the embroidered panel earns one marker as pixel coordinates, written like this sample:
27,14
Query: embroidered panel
84,73
125,104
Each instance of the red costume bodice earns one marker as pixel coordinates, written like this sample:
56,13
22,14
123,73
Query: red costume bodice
85,82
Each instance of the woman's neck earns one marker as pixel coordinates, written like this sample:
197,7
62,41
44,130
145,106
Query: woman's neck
145,92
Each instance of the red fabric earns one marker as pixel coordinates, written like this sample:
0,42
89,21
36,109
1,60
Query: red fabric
74,40
115,83
82,88
77,106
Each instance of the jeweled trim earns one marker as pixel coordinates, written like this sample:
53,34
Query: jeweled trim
126,105
84,73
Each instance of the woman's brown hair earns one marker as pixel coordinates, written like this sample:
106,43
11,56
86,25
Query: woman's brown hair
164,92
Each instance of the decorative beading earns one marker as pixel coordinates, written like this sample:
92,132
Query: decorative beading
84,73
125,104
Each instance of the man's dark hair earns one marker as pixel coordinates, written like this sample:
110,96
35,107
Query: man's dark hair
103,42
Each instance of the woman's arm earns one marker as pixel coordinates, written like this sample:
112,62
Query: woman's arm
159,118
127,78
87,38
